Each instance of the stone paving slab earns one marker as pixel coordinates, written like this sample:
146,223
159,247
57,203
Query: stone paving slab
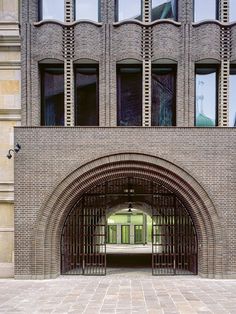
120,292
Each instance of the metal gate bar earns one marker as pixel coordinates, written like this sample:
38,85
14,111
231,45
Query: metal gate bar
174,241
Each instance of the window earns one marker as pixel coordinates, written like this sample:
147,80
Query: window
112,234
87,10
163,95
138,234
128,9
164,9
205,10
86,99
232,10
129,95
206,96
125,234
52,96
51,11
232,97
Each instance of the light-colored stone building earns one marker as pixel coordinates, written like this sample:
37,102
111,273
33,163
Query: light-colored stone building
10,116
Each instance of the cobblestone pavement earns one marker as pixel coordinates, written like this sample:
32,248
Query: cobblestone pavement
123,291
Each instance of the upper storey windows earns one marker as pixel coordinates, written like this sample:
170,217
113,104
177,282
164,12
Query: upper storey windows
232,97
124,10
232,10
129,95
52,95
160,9
128,10
206,96
87,10
51,11
205,10
164,9
209,10
84,10
163,95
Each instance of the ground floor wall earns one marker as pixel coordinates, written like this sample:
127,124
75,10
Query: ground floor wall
56,165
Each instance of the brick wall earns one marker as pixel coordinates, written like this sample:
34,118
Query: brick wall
199,164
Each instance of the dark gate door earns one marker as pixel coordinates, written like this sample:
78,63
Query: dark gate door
83,243
174,241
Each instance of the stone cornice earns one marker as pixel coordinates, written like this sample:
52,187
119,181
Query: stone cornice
7,192
10,114
10,64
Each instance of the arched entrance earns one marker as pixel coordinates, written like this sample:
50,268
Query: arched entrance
173,235
46,241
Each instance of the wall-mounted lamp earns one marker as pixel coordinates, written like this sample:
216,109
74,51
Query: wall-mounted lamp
15,150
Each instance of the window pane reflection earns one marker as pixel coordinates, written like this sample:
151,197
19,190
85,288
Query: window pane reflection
129,92
205,97
232,10
163,96
164,9
87,10
52,11
52,110
86,109
128,9
232,97
204,10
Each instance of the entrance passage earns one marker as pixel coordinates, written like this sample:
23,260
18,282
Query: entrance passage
129,238
87,232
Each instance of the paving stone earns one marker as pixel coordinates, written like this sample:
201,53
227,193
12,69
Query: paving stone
132,294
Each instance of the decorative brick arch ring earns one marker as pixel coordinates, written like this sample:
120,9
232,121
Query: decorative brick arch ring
52,215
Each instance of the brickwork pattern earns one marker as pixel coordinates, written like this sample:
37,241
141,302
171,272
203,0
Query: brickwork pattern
55,164
115,42
52,173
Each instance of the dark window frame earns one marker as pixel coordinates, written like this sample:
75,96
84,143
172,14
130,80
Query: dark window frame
81,66
116,9
42,68
217,13
175,69
217,68
176,13
118,67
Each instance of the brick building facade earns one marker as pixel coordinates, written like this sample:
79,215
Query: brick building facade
62,160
